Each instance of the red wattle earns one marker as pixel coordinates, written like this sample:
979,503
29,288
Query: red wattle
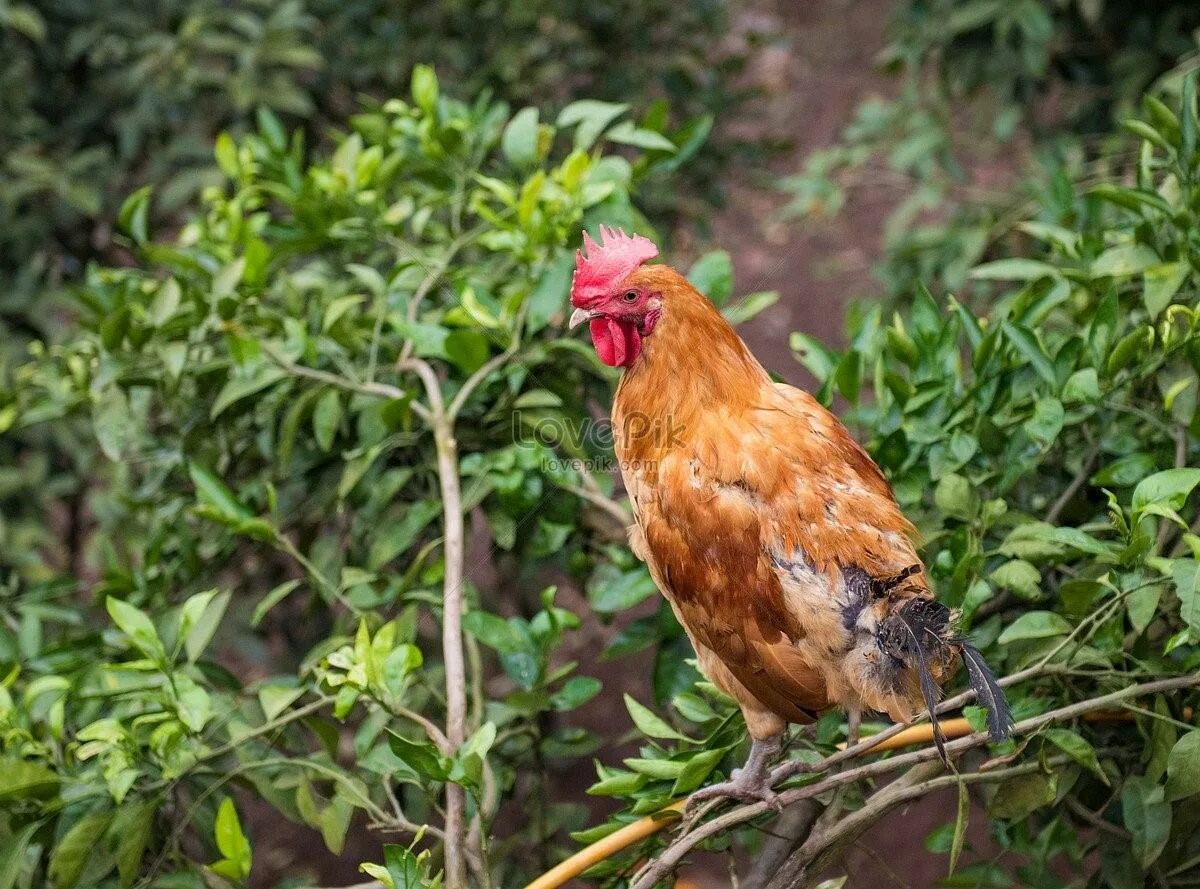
617,342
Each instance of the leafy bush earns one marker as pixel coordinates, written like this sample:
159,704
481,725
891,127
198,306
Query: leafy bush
278,421
1046,449
101,97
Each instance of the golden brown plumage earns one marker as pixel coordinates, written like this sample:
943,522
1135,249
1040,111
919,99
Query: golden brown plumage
772,533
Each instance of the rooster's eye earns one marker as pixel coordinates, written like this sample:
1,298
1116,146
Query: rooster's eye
630,296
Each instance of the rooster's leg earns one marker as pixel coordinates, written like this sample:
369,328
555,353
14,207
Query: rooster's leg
853,723
750,783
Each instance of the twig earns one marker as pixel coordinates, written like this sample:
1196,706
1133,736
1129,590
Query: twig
1069,492
792,828
434,733
817,851
610,507
380,390
1094,819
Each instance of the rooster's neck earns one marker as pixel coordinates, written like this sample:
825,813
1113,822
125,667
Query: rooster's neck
692,362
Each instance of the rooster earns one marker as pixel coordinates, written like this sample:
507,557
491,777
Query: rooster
771,532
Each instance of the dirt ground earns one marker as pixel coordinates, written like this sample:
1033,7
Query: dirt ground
812,78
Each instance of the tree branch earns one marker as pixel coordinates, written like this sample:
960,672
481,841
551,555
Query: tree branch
454,552
682,845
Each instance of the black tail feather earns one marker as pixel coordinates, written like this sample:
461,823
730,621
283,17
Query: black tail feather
916,624
989,693
931,693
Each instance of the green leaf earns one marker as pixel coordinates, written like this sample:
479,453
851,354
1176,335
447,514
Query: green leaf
619,784
1083,385
25,779
425,88
274,699
1076,747
549,296
816,357
1183,767
130,835
590,117
956,497
1161,283
429,340
271,599
712,275
1035,625
611,590
243,385
1142,606
135,624
576,692
520,140
231,841
1170,487
134,213
403,867
1018,797
198,620
421,756
226,153
1184,573
468,349
1027,344
1046,422
1125,471
1147,816
113,423
627,133
658,769
399,536
211,491
750,307
1014,270
334,822
70,856
12,854
649,723
193,705
1023,579
1123,261
326,418
960,826
697,769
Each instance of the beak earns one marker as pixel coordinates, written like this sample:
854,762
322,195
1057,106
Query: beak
578,317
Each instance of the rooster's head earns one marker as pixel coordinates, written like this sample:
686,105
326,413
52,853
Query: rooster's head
619,312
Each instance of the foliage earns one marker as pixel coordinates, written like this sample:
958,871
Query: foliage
983,86
101,97
277,420
1046,449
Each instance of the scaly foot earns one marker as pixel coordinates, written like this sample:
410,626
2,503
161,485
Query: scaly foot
749,784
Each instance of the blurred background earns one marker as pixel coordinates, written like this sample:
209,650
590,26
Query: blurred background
835,152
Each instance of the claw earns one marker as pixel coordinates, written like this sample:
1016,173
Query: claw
749,784
743,788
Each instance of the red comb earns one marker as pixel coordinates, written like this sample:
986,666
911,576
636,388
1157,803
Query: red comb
598,267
